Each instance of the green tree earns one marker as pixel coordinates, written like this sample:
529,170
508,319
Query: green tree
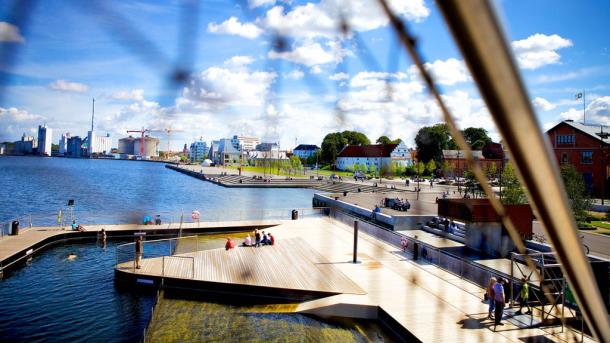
372,169
430,142
512,192
477,137
431,167
492,169
383,140
575,188
332,144
420,167
295,163
447,168
355,138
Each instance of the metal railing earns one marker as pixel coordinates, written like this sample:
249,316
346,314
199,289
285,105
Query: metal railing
167,219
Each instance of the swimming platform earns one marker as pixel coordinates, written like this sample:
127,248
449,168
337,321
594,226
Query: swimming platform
419,301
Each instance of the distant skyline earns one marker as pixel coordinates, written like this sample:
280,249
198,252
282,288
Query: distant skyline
240,83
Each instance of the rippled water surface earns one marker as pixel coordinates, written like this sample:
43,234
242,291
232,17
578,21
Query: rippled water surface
111,191
54,299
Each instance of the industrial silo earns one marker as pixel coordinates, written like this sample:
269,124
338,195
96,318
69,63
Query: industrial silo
151,146
126,146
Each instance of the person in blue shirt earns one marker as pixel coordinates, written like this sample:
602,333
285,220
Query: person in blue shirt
499,302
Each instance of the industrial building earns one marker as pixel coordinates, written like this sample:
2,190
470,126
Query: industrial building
74,147
63,143
44,140
131,146
126,145
98,144
25,146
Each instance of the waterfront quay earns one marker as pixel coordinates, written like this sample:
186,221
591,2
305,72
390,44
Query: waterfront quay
415,299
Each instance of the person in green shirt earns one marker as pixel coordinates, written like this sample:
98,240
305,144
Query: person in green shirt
524,294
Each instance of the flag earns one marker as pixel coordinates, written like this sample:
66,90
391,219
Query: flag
578,95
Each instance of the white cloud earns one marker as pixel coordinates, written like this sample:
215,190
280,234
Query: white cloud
63,85
447,72
311,53
10,33
233,85
236,62
322,19
259,3
542,104
339,76
539,50
315,70
296,74
15,122
233,26
134,94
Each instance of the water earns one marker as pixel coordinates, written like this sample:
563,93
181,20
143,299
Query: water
54,299
114,191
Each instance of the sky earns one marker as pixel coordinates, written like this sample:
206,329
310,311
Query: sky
279,70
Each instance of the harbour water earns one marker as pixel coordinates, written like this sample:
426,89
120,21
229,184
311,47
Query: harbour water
57,299
109,191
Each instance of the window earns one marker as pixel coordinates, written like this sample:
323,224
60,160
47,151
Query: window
565,139
564,158
586,157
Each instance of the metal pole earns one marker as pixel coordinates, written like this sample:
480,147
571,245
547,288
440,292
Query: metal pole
512,263
584,102
355,260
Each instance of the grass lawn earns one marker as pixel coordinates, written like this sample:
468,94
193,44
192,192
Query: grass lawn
603,227
262,170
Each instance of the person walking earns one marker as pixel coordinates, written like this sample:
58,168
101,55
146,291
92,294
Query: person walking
499,302
490,296
524,294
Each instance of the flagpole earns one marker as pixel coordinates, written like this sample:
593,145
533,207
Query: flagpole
584,101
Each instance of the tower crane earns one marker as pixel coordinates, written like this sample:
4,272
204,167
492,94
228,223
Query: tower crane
168,131
142,132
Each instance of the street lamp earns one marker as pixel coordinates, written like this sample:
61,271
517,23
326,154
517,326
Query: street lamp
458,171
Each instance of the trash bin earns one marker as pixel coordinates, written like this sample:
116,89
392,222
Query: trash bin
295,214
14,228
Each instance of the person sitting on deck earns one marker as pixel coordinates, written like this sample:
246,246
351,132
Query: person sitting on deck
77,227
247,242
265,240
158,220
271,239
229,244
147,220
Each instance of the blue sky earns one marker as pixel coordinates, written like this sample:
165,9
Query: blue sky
320,81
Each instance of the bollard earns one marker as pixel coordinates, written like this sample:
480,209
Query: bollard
355,260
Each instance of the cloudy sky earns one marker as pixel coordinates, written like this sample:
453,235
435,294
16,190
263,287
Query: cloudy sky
280,70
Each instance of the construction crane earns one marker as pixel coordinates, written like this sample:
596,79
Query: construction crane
142,132
168,131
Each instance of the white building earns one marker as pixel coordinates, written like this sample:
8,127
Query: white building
304,151
63,143
380,155
44,140
257,157
98,144
198,151
245,143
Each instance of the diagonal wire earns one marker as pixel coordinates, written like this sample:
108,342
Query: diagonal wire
409,42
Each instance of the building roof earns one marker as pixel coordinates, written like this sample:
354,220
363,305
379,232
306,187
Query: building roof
306,147
589,129
376,150
448,154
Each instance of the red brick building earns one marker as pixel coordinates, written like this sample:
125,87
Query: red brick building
456,162
582,146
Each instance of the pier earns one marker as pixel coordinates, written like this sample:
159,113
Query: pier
238,181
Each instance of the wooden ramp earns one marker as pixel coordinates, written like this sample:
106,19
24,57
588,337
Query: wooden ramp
291,264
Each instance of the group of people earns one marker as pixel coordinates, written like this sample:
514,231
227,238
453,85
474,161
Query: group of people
397,204
147,220
260,238
497,299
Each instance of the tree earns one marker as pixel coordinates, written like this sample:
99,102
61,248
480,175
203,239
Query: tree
372,169
295,163
477,137
332,144
447,167
431,141
512,192
493,151
355,138
383,140
492,169
420,167
431,167
575,188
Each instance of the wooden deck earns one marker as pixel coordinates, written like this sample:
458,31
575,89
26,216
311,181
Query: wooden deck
292,264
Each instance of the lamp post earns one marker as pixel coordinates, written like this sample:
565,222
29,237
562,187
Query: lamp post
603,135
458,172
